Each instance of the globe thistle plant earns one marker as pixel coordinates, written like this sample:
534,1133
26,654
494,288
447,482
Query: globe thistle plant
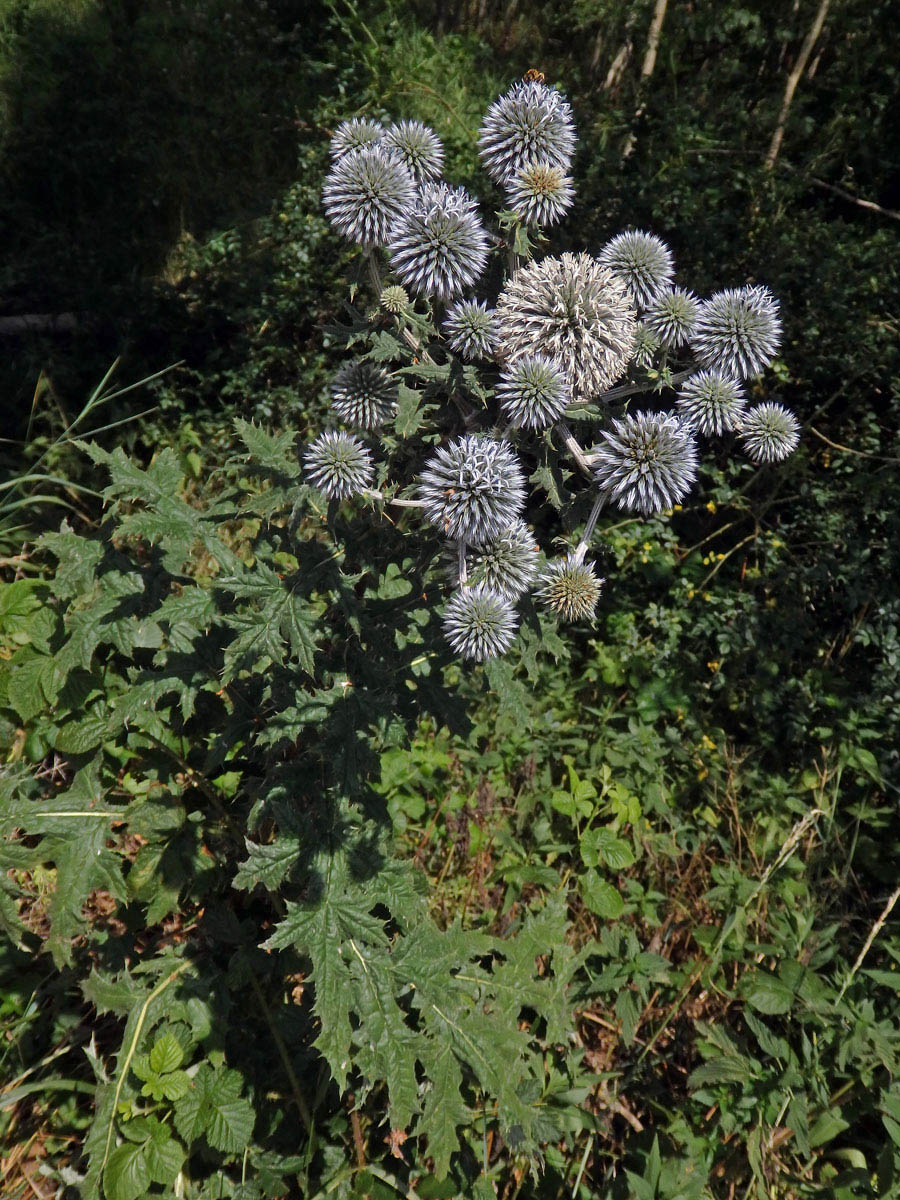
540,194
470,329
646,346
417,147
672,317
479,623
507,564
439,246
710,402
769,432
570,588
366,192
354,134
531,123
533,391
338,465
572,310
473,489
738,331
363,394
646,462
642,261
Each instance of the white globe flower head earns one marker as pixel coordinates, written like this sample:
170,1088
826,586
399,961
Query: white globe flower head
473,489
507,564
418,148
530,123
570,588
439,246
479,623
769,432
365,194
338,465
533,392
573,310
672,317
711,403
647,345
470,330
354,134
363,394
642,261
738,331
647,462
540,194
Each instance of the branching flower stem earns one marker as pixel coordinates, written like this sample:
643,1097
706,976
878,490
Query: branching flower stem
590,525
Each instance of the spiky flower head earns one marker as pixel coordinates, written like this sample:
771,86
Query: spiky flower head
533,391
573,310
646,462
507,564
672,316
394,299
354,134
473,488
366,192
709,402
642,261
418,148
469,329
530,123
646,345
364,394
338,465
738,331
570,588
479,623
540,194
769,432
439,246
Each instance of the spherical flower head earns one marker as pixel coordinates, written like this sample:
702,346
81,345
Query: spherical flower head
417,147
473,489
646,462
354,134
642,261
507,564
530,123
646,345
711,403
672,316
439,247
470,329
533,391
479,623
573,310
365,193
338,465
769,432
364,394
540,194
738,331
570,588
394,299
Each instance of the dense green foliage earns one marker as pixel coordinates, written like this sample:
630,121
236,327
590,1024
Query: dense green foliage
282,886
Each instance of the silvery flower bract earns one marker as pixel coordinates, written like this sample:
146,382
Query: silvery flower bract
540,194
338,465
530,123
570,587
533,391
710,402
439,246
738,332
769,432
470,331
366,192
572,310
362,393
479,623
672,316
418,148
642,261
354,134
646,462
473,489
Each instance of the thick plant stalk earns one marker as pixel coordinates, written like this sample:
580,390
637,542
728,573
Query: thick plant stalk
793,79
585,541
